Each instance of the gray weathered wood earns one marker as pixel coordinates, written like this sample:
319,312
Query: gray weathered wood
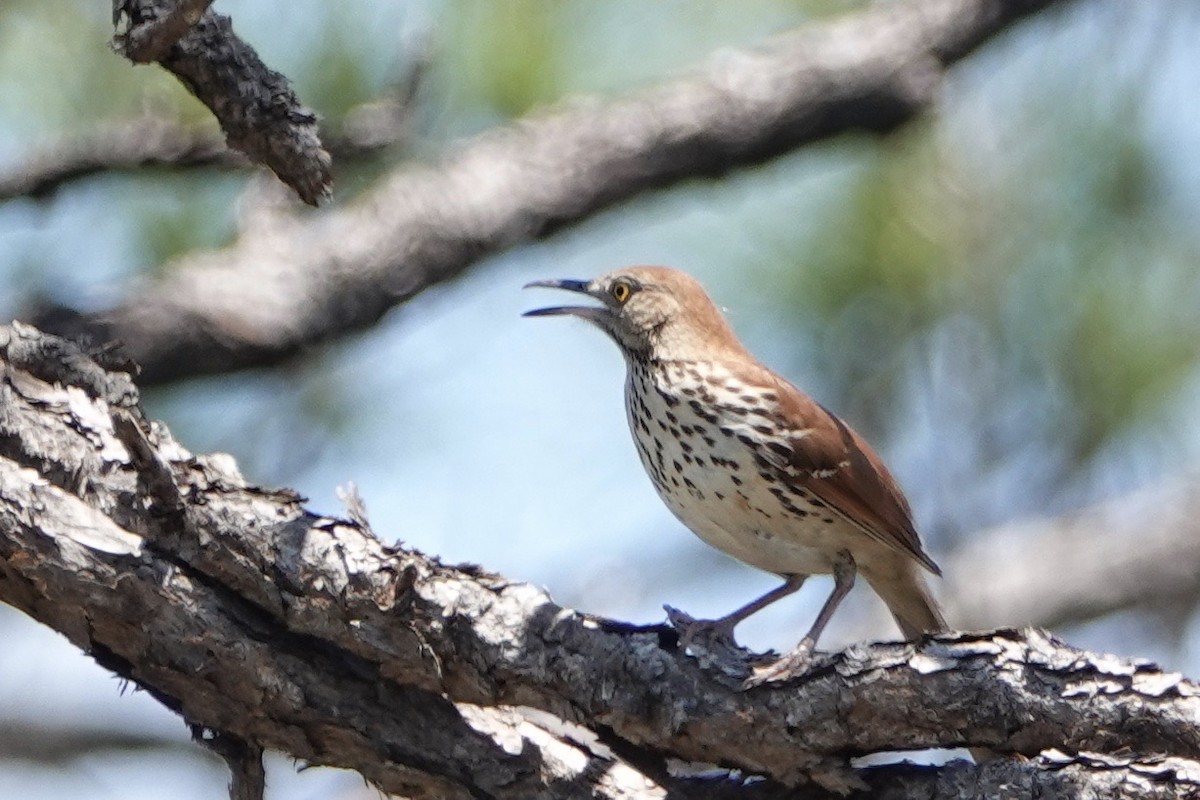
255,105
259,621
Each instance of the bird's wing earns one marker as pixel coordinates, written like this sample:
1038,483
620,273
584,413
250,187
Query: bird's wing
825,457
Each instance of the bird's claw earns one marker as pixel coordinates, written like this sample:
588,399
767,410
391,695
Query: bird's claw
792,665
701,631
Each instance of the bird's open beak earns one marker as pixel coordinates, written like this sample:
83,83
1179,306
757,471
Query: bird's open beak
595,314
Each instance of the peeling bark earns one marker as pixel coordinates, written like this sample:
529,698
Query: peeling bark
265,625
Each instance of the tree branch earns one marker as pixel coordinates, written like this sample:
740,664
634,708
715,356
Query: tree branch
150,40
154,142
259,621
53,745
293,283
256,107
367,129
1138,551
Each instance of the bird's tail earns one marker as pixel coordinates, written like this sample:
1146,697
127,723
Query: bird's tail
917,613
908,598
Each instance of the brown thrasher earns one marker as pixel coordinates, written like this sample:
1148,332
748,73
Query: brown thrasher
749,463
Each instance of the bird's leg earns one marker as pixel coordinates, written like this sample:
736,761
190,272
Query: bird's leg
722,628
796,662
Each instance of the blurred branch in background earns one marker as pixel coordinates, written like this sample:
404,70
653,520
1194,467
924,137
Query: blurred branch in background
1140,550
307,279
264,625
256,107
158,142
55,744
1137,552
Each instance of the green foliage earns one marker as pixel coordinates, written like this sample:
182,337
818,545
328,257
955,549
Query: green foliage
1063,249
70,75
176,216
508,52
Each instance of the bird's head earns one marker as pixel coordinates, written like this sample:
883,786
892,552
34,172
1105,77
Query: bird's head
653,312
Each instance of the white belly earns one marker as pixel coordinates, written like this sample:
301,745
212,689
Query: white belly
710,480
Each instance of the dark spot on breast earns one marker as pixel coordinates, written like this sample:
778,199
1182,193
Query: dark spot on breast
770,397
747,440
719,495
764,429
687,448
780,448
736,480
672,418
711,442
827,520
678,466
750,399
786,502
727,431
674,431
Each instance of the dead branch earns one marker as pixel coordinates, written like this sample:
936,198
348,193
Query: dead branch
150,40
256,107
263,624
296,282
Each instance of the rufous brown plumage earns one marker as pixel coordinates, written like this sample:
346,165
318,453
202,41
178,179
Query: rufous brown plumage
748,462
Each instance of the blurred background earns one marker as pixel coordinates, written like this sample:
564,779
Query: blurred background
1003,297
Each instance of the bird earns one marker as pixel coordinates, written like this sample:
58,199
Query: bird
751,464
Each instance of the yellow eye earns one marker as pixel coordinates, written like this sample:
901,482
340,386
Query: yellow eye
621,291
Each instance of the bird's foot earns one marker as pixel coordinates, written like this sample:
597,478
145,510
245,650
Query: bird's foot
705,632
792,665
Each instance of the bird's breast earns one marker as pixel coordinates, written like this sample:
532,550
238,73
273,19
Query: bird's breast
704,438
